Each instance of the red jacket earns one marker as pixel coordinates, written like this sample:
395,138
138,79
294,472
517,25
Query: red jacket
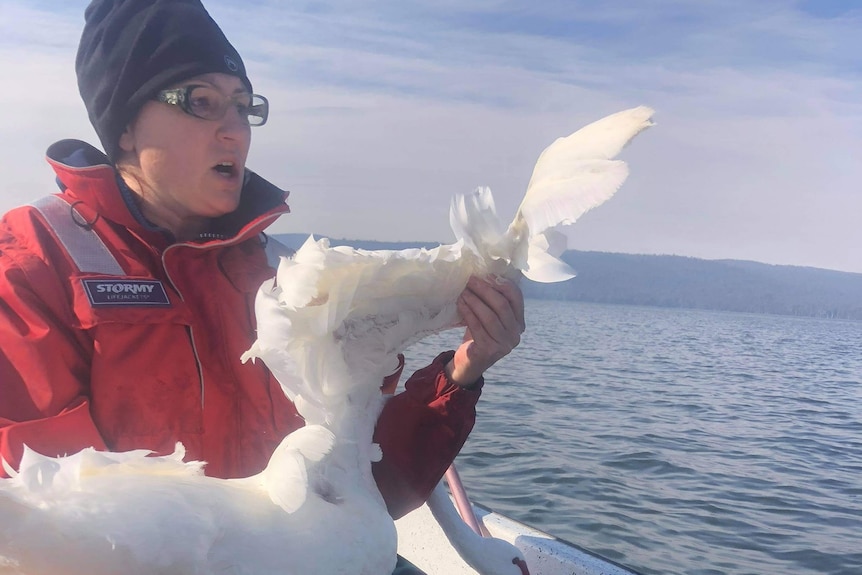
147,354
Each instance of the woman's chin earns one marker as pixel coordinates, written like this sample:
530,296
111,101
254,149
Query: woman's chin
224,203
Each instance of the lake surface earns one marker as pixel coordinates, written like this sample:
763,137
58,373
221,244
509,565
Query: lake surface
676,441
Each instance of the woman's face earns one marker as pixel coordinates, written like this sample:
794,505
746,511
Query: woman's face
187,168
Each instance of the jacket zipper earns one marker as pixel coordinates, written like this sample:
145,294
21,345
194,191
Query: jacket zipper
190,328
234,240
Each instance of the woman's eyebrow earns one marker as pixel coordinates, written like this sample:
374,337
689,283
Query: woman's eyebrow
214,84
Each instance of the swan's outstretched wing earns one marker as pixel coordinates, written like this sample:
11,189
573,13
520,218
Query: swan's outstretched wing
577,173
572,176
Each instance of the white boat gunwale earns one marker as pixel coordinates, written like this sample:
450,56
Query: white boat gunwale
423,543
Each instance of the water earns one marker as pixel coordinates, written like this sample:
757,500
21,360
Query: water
677,441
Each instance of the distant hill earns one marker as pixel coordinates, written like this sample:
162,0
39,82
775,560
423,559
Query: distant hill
676,281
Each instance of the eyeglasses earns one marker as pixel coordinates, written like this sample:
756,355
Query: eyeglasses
208,103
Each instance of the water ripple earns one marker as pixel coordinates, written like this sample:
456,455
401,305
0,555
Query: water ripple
676,441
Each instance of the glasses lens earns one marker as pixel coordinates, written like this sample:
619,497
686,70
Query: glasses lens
205,102
210,104
258,111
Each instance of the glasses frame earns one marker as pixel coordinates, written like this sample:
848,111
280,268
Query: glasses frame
180,97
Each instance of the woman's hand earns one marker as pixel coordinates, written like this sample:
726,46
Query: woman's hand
492,308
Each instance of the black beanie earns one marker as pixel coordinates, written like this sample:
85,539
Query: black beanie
132,49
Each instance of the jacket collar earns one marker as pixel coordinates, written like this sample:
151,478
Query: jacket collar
86,175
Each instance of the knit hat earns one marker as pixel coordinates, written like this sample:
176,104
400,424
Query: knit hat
132,49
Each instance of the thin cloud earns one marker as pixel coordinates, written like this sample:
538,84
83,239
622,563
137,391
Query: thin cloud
387,108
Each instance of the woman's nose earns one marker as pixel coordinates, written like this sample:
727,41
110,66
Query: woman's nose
234,124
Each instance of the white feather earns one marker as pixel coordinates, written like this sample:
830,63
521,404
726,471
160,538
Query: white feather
572,176
288,484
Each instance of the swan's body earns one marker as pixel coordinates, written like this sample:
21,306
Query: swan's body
103,513
330,326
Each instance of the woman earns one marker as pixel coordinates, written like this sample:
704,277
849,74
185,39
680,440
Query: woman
127,299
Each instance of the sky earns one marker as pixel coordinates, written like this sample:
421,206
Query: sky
382,110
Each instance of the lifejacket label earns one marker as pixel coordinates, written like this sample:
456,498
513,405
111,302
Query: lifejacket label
126,292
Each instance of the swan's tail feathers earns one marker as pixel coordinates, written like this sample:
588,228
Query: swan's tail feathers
572,176
474,220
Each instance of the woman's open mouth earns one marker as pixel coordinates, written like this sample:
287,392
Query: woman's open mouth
226,169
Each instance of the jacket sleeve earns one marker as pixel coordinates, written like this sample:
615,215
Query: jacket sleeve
420,431
43,370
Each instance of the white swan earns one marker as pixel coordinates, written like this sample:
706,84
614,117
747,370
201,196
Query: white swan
330,326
